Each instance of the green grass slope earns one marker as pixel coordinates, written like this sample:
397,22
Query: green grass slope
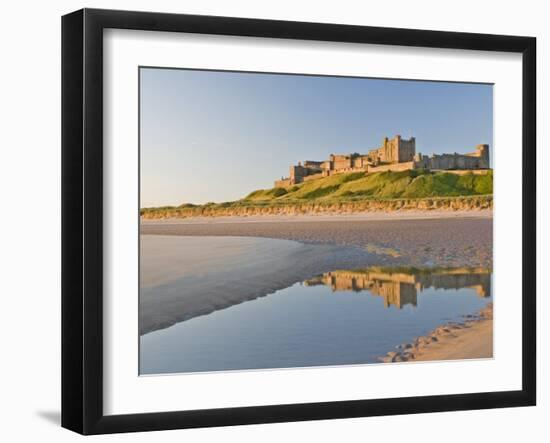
352,193
381,185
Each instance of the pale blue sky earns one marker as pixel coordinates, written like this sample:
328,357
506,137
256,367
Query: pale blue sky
216,136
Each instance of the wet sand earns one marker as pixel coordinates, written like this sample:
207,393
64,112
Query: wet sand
454,341
183,277
219,277
412,239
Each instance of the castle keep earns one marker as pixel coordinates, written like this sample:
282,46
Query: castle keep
396,154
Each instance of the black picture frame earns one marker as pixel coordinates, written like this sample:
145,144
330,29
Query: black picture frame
82,219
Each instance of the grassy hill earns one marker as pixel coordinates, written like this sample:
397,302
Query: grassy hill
381,185
353,192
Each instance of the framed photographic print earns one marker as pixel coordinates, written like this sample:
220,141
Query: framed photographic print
269,221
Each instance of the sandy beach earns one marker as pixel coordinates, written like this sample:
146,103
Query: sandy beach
195,266
470,339
408,238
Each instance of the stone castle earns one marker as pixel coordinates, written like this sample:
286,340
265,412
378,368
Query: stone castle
396,154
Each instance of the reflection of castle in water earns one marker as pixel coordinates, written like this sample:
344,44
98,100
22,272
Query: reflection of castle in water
400,286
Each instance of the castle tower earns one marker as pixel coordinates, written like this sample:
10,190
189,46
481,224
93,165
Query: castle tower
483,152
406,149
403,149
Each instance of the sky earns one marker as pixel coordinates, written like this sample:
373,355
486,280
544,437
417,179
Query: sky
215,136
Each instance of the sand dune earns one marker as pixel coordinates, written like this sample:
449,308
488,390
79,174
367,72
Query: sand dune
365,216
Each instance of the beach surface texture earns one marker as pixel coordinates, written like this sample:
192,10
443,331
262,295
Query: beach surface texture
224,271
470,339
252,261
406,238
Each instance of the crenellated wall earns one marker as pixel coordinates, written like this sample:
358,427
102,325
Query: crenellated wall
395,154
475,160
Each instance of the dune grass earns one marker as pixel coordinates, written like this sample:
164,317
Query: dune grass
353,192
